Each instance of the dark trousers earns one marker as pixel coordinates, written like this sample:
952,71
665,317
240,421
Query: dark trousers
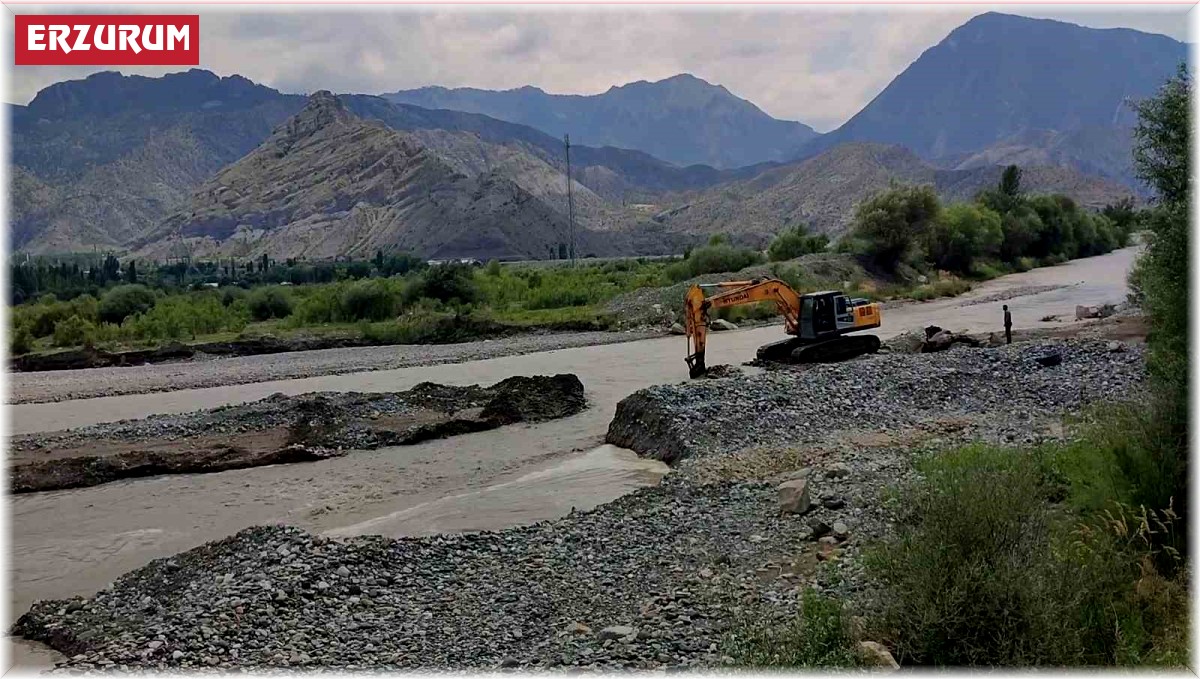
1008,334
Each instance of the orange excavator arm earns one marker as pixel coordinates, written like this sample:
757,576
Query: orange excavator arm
733,293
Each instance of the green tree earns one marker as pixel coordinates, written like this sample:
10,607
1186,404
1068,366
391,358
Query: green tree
1161,159
74,331
1020,228
1161,139
451,283
269,302
891,224
961,234
124,301
1010,181
1124,218
795,242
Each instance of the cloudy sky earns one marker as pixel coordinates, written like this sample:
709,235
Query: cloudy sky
818,65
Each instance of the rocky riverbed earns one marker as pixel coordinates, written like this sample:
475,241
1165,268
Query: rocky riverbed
655,579
281,429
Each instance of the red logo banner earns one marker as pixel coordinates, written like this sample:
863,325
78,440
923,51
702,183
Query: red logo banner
107,40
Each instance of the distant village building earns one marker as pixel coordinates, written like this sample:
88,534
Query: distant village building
469,261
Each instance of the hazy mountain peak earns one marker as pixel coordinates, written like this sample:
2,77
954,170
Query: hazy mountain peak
322,111
110,93
682,119
998,75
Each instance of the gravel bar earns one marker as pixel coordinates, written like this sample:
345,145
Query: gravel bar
797,404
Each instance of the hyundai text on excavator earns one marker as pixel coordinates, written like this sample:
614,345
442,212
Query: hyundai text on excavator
817,322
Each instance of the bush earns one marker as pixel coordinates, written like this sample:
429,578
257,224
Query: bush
714,258
818,636
889,225
22,341
368,300
269,302
961,234
795,242
984,571
124,301
74,331
950,287
180,317
448,283
231,294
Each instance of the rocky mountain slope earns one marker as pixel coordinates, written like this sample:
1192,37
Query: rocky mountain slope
327,183
1096,150
101,161
681,119
824,190
1014,87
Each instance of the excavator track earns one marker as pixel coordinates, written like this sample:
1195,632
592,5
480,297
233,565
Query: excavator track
796,351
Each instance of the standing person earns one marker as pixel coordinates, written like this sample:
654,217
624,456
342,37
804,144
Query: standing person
1007,325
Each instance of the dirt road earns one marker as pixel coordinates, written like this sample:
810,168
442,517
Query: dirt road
77,541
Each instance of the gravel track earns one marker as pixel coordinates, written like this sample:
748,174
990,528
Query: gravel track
53,386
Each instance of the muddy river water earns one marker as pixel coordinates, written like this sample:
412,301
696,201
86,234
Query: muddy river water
72,542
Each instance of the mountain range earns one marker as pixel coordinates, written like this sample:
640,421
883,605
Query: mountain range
328,183
682,119
190,162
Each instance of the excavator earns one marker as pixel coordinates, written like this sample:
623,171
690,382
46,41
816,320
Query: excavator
818,322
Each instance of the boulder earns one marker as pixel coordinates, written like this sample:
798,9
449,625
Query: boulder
793,497
721,324
677,329
1115,347
1082,312
782,477
876,654
578,628
617,632
938,339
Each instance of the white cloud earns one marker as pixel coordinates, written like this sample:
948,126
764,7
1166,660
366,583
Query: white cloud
818,65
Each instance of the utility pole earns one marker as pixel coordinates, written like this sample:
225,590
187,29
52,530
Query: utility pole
570,199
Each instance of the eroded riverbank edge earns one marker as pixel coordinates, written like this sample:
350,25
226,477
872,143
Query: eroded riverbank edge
282,430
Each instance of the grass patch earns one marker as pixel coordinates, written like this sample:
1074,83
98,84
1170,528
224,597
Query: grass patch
817,636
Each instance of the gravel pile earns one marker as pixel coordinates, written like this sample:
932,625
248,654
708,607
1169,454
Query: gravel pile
274,411
536,398
880,392
649,580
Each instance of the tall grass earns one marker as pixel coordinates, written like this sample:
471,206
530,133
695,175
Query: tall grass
985,569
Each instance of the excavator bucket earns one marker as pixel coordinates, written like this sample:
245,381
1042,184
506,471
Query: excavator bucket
695,364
